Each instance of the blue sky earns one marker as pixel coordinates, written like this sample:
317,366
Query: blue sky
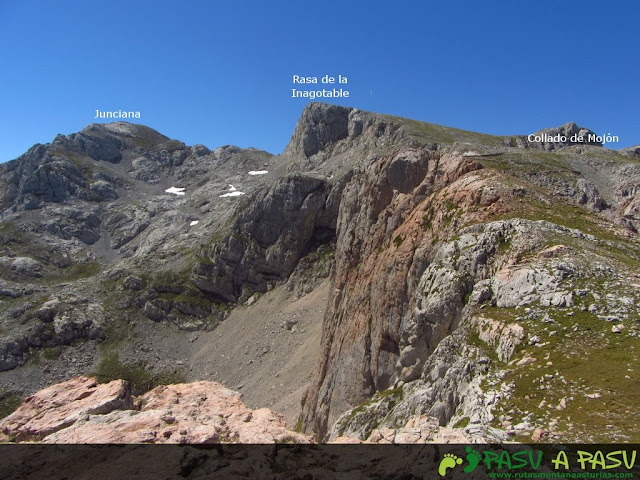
220,73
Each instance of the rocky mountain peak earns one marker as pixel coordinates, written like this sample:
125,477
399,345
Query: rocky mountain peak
563,136
136,134
320,124
331,129
121,128
90,165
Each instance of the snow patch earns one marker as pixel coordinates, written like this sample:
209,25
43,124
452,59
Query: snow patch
232,188
194,222
232,194
176,190
258,172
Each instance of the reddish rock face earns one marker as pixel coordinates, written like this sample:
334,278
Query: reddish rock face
81,411
60,406
390,213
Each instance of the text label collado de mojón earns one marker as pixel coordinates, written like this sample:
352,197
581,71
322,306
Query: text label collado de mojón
590,138
324,93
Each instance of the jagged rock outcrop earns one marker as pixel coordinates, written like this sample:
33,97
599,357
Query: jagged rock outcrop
26,266
55,172
82,411
87,211
564,136
398,293
54,323
324,131
319,127
433,310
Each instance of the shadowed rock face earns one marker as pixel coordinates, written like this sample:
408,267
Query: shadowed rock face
266,242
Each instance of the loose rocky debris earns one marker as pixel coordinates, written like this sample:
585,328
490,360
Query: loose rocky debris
419,429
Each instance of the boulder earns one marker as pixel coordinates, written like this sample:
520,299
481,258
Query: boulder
27,266
102,190
60,406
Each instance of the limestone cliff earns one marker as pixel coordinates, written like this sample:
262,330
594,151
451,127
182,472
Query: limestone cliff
424,235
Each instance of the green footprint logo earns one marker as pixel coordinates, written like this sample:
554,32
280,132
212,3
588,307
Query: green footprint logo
473,457
449,461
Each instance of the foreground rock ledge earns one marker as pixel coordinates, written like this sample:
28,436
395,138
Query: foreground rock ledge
82,411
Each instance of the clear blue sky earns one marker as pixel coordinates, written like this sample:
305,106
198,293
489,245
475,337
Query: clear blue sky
220,73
